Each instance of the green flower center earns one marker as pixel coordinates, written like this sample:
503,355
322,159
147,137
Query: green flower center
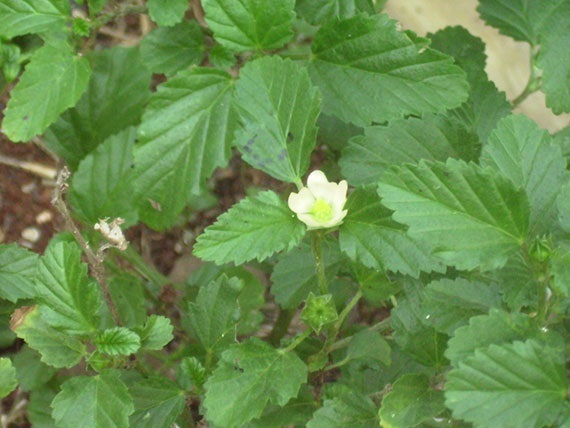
322,211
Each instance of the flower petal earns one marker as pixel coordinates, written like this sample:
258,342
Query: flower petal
301,202
310,221
316,177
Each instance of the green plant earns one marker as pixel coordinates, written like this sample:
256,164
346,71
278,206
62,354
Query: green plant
456,226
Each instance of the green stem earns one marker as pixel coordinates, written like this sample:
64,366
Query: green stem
317,248
157,279
298,340
534,81
381,327
542,292
281,326
347,310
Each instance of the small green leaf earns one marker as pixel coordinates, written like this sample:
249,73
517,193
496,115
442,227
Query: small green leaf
255,228
102,185
370,236
167,12
369,345
100,401
171,49
19,17
370,72
117,341
158,402
351,409
410,402
450,303
525,154
319,12
17,271
294,275
31,372
156,333
117,92
72,299
248,377
469,216
186,133
8,380
53,81
279,107
213,316
522,384
191,374
250,24
319,311
56,348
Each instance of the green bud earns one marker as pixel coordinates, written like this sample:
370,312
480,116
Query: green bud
81,27
319,311
541,249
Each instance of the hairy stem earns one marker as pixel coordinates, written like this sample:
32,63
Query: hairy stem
534,81
317,248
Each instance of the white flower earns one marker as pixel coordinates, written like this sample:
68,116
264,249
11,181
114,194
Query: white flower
320,204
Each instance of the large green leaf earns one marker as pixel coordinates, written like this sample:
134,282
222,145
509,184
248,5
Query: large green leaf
279,109
522,384
525,154
56,348
294,275
250,24
248,377
370,236
167,12
411,401
18,17
434,138
53,81
212,317
255,228
370,72
8,380
100,401
17,271
321,11
72,299
158,402
350,409
469,216
102,186
171,49
117,92
186,132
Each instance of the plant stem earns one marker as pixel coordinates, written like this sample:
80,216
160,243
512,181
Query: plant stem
381,326
534,81
281,326
298,340
145,270
95,262
317,248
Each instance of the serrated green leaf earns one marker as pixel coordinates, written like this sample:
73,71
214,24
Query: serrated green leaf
56,348
248,377
17,271
294,275
52,82
368,346
433,138
370,236
72,299
18,17
100,401
517,282
222,58
117,341
171,49
470,217
449,304
370,72
102,185
410,402
497,327
8,380
412,333
522,384
255,228
191,373
319,12
563,204
31,372
167,12
334,132
117,92
351,409
127,292
156,333
250,24
524,153
186,132
213,315
279,108
158,402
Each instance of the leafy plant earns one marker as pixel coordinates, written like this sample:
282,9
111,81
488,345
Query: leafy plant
430,208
